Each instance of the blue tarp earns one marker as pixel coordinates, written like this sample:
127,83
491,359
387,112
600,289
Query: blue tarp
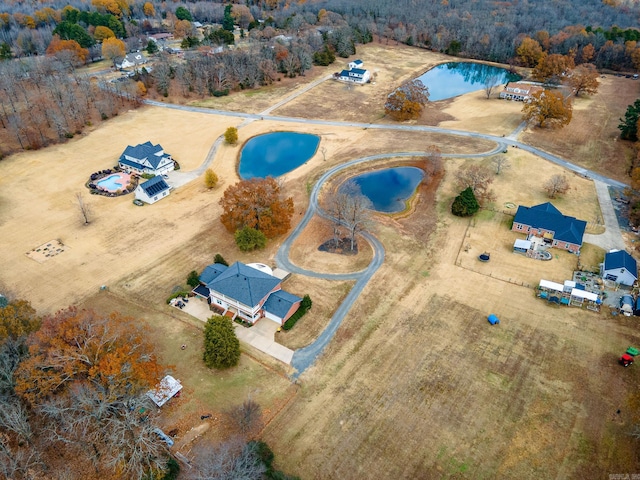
493,319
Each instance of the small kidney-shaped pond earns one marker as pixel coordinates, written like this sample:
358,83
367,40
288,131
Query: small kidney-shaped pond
451,79
390,188
274,154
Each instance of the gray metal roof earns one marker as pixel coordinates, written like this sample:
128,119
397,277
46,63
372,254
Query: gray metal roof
244,284
279,303
144,151
621,259
211,272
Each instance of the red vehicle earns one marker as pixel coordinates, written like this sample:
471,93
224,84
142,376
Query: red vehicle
626,360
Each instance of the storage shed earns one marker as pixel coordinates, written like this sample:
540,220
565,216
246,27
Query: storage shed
493,319
619,267
521,246
165,391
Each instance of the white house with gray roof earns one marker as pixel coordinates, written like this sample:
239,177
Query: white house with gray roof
246,292
146,158
132,60
152,190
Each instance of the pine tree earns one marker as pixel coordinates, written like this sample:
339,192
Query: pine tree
221,346
629,125
465,204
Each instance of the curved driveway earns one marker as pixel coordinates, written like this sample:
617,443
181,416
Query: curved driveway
305,357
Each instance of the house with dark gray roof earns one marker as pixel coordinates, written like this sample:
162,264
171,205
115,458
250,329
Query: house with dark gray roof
244,291
152,190
146,158
355,75
546,222
619,267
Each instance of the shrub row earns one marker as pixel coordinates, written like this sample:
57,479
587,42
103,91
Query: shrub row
180,293
305,306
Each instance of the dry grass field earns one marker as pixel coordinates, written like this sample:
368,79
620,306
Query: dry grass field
415,384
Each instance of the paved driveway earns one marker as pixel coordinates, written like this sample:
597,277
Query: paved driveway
260,336
612,237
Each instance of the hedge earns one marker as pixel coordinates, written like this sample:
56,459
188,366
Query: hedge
305,306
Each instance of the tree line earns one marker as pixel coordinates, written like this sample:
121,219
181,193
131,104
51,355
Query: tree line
463,27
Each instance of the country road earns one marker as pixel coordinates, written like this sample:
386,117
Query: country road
506,141
305,357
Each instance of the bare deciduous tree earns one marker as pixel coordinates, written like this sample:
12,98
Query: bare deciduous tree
490,84
501,162
433,160
21,463
231,459
247,417
323,150
336,209
84,208
556,185
357,216
479,178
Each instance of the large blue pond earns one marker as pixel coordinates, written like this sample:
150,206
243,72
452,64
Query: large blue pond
274,154
389,189
451,79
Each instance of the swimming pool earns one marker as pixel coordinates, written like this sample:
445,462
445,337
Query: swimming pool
113,183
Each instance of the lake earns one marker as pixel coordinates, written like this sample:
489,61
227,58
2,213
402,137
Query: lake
451,79
274,154
390,188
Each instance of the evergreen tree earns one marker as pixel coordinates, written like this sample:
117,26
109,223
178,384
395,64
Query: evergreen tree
193,279
629,125
227,20
220,259
221,346
152,47
5,51
183,14
248,239
465,204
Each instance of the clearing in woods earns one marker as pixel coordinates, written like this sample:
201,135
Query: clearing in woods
415,384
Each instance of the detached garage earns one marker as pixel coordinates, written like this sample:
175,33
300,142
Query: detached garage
619,267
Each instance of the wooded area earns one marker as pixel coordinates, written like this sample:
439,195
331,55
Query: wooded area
73,395
47,100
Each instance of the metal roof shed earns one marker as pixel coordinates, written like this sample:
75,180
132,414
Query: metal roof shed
165,391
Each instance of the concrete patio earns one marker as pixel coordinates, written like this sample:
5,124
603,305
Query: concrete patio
260,336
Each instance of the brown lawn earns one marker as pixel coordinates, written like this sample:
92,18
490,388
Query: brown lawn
415,383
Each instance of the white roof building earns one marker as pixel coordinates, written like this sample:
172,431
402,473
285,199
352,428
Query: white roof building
165,391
